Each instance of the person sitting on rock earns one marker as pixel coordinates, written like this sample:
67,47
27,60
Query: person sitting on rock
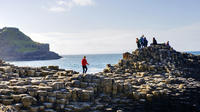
145,42
154,41
84,64
167,43
138,43
142,41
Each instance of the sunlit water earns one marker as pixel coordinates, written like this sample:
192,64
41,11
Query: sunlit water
73,62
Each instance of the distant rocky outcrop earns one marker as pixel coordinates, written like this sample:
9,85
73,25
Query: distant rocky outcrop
15,45
152,79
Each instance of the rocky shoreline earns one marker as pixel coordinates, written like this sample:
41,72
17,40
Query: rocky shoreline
152,79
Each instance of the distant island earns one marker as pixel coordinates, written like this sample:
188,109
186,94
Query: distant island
16,46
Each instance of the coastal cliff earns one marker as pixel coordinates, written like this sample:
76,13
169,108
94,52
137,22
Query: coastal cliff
15,45
152,79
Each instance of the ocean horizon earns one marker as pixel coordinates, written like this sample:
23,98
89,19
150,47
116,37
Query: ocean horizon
73,62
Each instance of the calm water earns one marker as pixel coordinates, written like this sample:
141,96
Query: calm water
194,52
73,62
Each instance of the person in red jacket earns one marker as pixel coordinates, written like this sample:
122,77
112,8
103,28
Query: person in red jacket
84,64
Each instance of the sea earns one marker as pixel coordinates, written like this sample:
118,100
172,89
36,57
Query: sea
73,62
97,62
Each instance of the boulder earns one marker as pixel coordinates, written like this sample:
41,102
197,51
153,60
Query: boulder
53,67
28,101
48,105
6,69
58,85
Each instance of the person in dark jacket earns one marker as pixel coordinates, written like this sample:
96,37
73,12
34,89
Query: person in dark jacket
84,64
142,41
145,42
154,41
138,43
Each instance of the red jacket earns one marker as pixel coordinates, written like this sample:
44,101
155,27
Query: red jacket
84,62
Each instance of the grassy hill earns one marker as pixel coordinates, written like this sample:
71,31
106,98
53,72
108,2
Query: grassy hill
13,42
14,37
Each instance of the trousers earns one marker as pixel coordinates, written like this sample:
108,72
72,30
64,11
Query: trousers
84,69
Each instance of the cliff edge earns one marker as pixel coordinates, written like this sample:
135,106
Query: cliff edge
15,45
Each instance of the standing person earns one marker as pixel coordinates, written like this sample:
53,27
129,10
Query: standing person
145,42
84,64
142,41
138,43
154,41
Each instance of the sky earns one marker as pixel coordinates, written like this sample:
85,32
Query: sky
104,26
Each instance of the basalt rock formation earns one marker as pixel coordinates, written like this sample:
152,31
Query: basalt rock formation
152,79
15,45
4,108
158,59
160,77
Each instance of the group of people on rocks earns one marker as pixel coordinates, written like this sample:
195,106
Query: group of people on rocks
143,42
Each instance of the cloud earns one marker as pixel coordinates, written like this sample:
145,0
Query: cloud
94,41
83,2
57,9
118,41
67,5
183,38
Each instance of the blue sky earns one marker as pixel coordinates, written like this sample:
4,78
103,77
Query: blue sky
104,26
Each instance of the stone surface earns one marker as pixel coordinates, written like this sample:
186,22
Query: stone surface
152,79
